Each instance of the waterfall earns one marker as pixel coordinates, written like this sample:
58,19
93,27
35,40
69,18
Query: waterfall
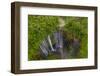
44,48
47,45
50,43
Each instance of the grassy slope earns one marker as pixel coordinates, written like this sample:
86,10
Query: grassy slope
38,29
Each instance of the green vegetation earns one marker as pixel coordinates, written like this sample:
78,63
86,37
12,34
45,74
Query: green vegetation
77,27
39,27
